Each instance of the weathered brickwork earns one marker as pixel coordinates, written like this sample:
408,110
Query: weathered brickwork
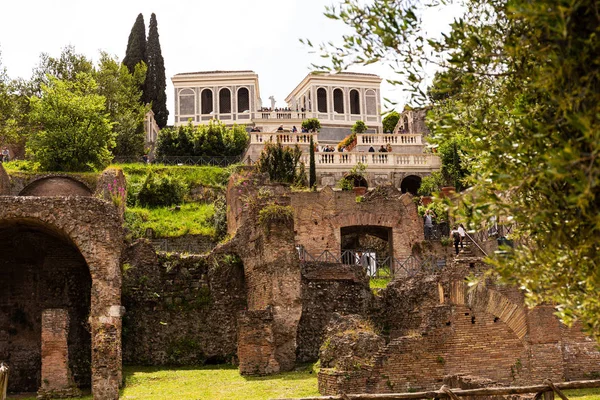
328,289
319,217
57,380
438,326
192,244
181,310
93,227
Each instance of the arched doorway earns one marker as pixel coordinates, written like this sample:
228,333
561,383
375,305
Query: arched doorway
410,184
41,270
354,102
243,102
368,245
224,101
322,100
206,99
338,101
357,180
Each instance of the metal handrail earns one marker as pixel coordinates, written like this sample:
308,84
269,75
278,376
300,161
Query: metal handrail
476,244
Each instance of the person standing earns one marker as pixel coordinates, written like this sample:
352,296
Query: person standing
463,233
5,155
428,224
455,235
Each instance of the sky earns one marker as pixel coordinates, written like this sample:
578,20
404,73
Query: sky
200,35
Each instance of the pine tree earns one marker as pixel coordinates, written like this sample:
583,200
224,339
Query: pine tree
312,170
156,82
136,46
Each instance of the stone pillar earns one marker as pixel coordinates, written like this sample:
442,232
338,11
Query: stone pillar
106,354
57,380
256,343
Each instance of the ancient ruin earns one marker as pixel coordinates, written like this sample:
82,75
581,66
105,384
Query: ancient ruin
289,286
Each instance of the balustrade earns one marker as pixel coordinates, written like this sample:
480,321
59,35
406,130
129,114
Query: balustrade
285,138
375,159
391,139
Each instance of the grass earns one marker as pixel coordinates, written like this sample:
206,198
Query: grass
224,382
192,219
379,283
212,382
191,175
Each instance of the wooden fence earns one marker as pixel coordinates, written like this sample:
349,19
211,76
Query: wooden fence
547,391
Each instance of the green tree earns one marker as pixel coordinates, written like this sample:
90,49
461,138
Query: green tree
8,133
390,121
156,81
214,139
121,91
311,124
75,131
65,68
281,163
312,168
526,105
359,127
136,45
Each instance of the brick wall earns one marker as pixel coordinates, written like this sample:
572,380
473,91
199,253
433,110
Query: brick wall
193,244
328,289
40,271
180,310
319,216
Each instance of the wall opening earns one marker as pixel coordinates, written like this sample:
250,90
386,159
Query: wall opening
42,270
224,101
322,100
338,101
410,184
187,102
367,245
243,100
206,98
354,102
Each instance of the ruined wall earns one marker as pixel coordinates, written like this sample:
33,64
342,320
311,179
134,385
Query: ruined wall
319,216
193,244
271,268
328,289
181,310
438,326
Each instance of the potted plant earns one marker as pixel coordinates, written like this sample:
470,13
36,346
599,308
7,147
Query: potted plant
355,180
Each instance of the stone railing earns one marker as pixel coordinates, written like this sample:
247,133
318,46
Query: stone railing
376,159
299,115
285,138
391,139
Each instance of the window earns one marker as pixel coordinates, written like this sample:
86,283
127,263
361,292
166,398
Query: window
322,100
371,100
206,99
224,101
354,102
243,100
338,101
187,99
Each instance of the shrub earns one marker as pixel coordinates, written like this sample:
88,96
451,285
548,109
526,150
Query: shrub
282,163
311,124
390,121
219,218
275,214
161,191
431,184
347,141
359,127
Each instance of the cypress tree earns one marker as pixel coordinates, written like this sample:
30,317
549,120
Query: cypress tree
312,170
136,46
156,82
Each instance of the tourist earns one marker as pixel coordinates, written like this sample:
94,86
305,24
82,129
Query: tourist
429,216
5,155
294,129
371,149
280,129
382,149
389,148
463,234
456,236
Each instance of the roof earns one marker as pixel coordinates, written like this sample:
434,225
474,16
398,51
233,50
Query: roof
215,72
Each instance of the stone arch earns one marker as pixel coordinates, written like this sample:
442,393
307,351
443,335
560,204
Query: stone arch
354,101
410,184
358,180
187,102
492,302
56,185
243,100
93,226
338,101
206,100
322,100
224,101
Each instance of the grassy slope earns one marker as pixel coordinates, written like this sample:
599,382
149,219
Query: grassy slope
193,218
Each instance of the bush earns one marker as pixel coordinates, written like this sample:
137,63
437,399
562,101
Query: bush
161,192
390,121
282,163
359,127
213,140
431,184
347,141
275,213
311,124
219,218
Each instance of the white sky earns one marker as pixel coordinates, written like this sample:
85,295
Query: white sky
195,35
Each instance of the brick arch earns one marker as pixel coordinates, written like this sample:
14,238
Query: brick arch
352,219
493,302
56,185
93,226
